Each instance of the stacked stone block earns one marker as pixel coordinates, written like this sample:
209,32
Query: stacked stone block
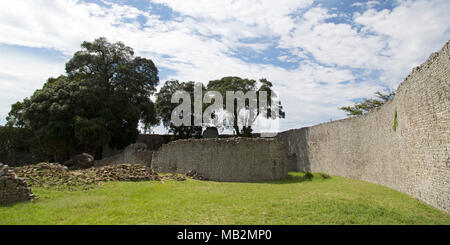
12,188
232,159
412,157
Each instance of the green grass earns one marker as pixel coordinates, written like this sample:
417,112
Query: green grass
294,200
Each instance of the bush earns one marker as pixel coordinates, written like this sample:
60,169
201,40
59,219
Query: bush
394,127
308,176
324,176
13,140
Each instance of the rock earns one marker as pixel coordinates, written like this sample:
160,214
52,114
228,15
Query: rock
58,176
12,189
3,169
80,161
51,174
210,132
194,175
137,147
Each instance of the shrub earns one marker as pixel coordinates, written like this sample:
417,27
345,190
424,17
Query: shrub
13,140
394,127
324,176
308,176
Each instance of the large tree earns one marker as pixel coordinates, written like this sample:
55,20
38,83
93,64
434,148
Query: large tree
272,108
165,107
104,96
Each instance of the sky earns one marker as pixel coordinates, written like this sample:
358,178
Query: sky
320,55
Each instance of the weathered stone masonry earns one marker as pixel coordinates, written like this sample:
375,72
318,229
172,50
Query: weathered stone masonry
412,158
12,189
233,159
137,153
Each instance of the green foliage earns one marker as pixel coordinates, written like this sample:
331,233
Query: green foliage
13,140
104,96
245,85
368,104
164,108
308,176
290,201
324,176
394,127
15,116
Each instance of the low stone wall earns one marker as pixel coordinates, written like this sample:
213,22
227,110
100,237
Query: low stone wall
153,141
233,159
403,145
132,154
12,188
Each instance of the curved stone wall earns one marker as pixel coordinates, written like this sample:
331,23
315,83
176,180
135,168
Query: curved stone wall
232,159
411,157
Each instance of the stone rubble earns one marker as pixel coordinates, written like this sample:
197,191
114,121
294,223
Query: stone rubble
194,175
59,176
53,174
12,188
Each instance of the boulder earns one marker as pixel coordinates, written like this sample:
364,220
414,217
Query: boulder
80,161
210,132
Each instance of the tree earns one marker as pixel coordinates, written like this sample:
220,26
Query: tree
164,108
367,105
13,141
104,96
247,85
122,83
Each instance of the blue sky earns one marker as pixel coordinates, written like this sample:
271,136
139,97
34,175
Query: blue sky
320,55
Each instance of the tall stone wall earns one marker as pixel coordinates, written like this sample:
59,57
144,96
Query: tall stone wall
233,159
412,157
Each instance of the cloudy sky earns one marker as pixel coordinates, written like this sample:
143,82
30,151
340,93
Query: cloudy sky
320,55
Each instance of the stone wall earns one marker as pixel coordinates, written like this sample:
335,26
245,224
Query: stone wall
412,158
12,188
153,141
233,159
133,154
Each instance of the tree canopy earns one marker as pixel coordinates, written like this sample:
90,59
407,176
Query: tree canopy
272,109
103,97
243,127
105,94
367,105
164,108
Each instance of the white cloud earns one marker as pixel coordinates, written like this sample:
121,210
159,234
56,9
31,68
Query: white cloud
357,4
20,75
265,17
372,4
390,42
334,44
412,31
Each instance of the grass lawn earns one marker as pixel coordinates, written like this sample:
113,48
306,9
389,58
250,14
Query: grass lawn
291,201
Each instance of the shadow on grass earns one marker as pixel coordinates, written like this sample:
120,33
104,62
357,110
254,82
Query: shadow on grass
300,177
291,179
